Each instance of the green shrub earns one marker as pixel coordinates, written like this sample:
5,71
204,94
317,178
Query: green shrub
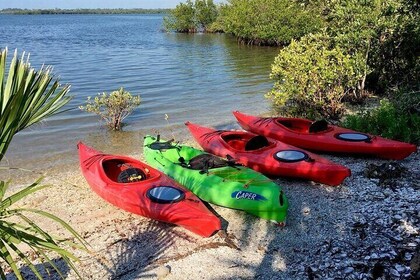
386,33
268,22
387,121
352,26
205,13
395,57
113,108
312,77
181,19
406,100
191,17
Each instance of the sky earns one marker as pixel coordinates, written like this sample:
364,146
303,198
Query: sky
74,4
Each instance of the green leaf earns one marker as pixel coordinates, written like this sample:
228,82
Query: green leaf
7,257
25,259
3,189
21,194
55,219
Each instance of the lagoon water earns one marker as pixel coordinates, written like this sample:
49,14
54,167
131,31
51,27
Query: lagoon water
200,78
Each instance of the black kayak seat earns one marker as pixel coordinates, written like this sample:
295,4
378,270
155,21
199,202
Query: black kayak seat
256,142
206,161
131,175
318,126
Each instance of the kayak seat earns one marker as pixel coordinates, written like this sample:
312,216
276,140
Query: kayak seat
318,126
131,175
256,142
206,162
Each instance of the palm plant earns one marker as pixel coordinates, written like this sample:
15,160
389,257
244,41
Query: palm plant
16,228
27,97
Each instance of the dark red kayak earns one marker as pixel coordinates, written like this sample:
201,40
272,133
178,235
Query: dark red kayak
138,188
268,156
323,137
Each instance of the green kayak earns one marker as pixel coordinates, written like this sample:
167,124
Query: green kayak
216,180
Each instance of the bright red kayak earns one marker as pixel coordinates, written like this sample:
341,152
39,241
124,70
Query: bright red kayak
323,137
138,188
268,156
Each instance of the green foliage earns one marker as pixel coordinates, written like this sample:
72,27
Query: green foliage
396,56
218,25
312,76
181,19
406,100
113,108
17,229
352,25
205,13
388,121
191,17
386,33
27,97
377,42
268,22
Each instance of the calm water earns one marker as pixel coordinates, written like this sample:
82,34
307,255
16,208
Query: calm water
200,78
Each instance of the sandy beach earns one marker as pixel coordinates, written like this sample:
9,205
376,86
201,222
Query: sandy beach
322,238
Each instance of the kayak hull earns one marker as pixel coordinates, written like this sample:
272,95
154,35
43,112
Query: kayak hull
224,143
101,171
295,131
235,187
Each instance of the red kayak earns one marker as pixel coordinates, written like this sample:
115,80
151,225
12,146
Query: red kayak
138,188
268,156
323,137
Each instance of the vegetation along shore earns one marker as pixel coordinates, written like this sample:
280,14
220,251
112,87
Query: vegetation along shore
336,56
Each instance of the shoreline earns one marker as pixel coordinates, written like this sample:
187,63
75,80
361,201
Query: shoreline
331,232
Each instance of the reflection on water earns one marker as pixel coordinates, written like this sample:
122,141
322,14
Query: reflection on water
200,78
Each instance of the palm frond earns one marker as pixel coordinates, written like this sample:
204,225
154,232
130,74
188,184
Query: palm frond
7,257
21,194
21,229
27,97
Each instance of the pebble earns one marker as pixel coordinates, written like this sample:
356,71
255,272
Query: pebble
408,256
163,271
399,268
374,256
395,273
348,270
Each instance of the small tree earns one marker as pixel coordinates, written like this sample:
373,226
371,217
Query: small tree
113,108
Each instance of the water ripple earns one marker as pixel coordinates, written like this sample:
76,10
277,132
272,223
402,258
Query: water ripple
201,77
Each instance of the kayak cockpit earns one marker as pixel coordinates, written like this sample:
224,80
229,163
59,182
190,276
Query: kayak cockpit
245,141
122,171
304,126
